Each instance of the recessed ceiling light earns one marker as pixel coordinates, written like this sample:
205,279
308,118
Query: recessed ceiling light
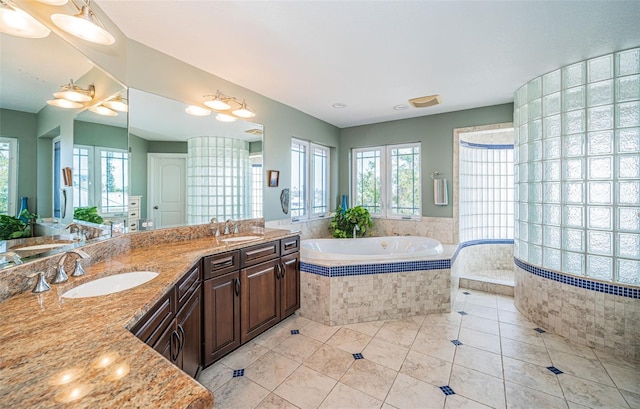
400,107
339,105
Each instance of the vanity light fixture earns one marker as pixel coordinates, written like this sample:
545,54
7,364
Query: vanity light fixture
117,103
53,2
103,110
222,104
244,111
225,118
72,92
197,111
17,22
63,103
84,25
217,101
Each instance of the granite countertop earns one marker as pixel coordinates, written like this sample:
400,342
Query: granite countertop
59,352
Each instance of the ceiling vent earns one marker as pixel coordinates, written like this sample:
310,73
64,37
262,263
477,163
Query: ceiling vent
424,102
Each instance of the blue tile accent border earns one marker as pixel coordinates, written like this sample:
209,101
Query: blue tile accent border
539,330
447,390
554,370
238,372
478,242
607,288
295,332
473,145
365,269
456,342
462,313
357,356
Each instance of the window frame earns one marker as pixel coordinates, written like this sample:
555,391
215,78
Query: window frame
386,188
12,175
309,180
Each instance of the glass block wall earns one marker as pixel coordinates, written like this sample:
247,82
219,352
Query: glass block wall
486,191
577,172
218,179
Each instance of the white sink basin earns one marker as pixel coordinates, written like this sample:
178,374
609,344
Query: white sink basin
47,246
239,239
111,284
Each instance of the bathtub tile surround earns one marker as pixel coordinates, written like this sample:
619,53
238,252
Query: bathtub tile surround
424,369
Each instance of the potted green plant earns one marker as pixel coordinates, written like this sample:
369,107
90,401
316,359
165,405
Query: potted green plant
344,222
16,227
87,214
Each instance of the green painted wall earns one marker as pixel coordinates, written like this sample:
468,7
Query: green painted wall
435,132
90,134
22,126
167,147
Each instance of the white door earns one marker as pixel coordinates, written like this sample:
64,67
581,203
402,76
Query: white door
167,187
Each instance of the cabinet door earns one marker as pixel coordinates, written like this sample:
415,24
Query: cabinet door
188,325
260,297
168,344
289,284
221,316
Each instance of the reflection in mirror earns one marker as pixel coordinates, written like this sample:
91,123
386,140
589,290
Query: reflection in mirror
189,169
36,139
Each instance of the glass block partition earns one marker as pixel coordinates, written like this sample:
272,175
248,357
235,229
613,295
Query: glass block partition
577,172
486,191
218,179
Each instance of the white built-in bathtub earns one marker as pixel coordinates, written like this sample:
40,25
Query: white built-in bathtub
346,281
371,248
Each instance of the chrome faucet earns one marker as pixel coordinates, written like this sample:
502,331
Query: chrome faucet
214,222
9,257
41,284
61,274
226,226
356,229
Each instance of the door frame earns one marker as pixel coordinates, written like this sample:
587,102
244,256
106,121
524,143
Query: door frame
151,161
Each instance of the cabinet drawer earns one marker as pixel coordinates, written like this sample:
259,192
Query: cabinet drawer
152,325
134,213
134,201
259,253
289,245
187,286
218,264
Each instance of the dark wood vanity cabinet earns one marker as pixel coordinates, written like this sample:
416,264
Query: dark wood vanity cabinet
177,335
263,290
221,316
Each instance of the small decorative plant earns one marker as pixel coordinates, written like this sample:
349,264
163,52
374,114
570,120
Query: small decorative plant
16,227
345,221
87,214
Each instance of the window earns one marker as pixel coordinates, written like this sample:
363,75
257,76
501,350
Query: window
256,185
8,151
100,178
309,196
386,180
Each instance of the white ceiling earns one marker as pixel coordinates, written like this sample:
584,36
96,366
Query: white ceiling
373,55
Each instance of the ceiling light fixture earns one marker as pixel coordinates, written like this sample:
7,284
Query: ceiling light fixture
424,102
17,22
400,107
84,25
197,111
103,110
117,103
339,105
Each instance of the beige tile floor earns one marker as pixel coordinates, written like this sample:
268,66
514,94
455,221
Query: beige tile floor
501,362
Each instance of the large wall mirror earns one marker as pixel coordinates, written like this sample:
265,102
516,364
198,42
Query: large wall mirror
190,169
38,141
